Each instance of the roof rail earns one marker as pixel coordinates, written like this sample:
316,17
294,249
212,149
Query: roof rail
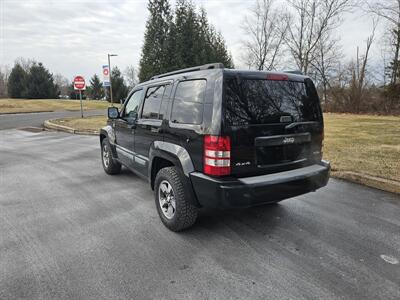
192,69
298,72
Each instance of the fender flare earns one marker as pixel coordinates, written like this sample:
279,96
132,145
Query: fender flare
108,132
175,153
178,156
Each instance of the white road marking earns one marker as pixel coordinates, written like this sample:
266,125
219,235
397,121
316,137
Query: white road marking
390,259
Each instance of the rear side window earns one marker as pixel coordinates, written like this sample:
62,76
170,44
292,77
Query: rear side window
152,102
188,102
253,101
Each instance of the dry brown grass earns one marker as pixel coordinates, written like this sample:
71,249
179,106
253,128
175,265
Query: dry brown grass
25,105
82,124
363,144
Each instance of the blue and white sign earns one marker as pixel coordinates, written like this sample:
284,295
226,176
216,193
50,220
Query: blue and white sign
106,76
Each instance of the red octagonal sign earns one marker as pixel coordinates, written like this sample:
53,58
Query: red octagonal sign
79,83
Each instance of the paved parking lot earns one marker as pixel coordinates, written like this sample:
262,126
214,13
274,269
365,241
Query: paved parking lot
68,230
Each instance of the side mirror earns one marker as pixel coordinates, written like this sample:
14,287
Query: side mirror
113,113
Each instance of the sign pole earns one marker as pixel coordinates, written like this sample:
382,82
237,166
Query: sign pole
80,97
110,77
109,68
80,84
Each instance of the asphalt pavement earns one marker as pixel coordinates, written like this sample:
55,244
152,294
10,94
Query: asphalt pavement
9,121
69,231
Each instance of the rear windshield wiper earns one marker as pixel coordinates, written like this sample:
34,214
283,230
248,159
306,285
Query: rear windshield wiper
294,124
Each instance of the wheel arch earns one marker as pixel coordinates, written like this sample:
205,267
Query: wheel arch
108,132
163,155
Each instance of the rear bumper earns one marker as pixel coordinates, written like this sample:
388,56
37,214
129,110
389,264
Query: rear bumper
250,191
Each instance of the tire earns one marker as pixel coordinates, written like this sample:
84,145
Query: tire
110,165
184,214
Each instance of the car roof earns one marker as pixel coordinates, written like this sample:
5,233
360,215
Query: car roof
292,75
211,68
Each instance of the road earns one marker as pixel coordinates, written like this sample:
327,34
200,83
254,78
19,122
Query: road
69,231
10,121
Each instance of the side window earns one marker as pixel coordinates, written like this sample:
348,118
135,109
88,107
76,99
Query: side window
152,102
188,102
132,107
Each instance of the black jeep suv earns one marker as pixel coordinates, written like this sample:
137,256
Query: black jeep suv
213,137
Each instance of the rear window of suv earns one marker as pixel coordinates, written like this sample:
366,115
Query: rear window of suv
258,101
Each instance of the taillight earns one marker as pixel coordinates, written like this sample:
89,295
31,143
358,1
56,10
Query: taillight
277,77
217,155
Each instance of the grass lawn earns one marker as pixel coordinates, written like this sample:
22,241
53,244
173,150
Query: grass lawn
91,123
363,144
23,105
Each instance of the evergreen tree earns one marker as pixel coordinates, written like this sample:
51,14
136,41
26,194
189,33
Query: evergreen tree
184,41
17,82
212,44
154,52
95,90
73,95
186,34
220,51
205,37
120,90
40,83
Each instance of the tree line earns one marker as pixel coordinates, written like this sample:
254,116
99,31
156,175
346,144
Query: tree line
179,39
300,35
29,79
303,35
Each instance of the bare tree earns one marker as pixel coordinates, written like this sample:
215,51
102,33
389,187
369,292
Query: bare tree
326,63
25,63
265,29
311,22
131,76
62,83
4,73
358,80
389,10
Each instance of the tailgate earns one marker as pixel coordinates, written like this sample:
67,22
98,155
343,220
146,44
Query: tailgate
273,125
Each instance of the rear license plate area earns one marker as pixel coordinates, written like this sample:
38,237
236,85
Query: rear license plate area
280,150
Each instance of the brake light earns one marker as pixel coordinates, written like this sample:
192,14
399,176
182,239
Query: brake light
217,155
277,77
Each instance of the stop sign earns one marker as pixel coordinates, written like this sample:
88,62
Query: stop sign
79,83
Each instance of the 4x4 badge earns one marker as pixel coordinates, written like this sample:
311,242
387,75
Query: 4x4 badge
288,140
240,164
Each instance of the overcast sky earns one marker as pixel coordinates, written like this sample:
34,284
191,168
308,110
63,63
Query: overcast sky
73,37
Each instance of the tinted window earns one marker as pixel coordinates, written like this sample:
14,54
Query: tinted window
132,107
152,102
250,101
188,102
165,102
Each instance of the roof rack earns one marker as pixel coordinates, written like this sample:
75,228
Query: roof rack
192,69
298,72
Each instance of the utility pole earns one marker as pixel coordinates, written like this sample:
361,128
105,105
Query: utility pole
109,67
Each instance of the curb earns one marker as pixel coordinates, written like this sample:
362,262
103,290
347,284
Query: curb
26,112
48,125
387,185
